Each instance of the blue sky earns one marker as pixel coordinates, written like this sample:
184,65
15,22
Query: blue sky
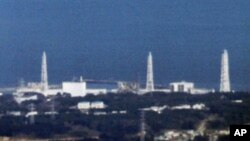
111,39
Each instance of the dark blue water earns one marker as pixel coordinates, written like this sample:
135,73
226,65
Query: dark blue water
108,86
111,40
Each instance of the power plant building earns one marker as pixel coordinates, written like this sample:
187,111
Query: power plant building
183,86
80,88
188,87
86,105
38,87
75,88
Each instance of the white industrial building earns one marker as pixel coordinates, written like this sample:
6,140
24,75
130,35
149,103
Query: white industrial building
80,89
31,87
188,87
183,86
97,105
96,91
54,91
202,91
74,88
86,105
14,113
83,105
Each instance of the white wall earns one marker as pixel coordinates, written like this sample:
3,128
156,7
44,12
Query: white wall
182,87
96,91
75,88
90,105
53,91
97,105
83,105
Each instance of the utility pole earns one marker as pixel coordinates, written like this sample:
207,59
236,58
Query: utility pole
32,116
52,109
142,124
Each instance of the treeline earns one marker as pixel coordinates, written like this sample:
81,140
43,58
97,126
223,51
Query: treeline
71,122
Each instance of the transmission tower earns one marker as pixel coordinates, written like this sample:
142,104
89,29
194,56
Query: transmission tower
143,127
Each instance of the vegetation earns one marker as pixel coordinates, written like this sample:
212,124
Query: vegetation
71,122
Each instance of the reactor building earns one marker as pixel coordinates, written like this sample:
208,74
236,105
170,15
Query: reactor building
75,88
79,88
38,87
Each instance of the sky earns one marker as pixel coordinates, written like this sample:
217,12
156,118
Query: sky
110,40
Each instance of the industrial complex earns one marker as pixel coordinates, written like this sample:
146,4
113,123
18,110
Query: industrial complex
79,88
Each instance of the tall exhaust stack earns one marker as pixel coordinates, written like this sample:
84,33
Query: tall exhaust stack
44,73
150,77
225,80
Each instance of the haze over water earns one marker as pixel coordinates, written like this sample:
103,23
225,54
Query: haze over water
111,40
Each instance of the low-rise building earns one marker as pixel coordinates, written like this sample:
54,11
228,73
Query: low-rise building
180,107
237,101
86,105
200,106
97,105
177,135
14,113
